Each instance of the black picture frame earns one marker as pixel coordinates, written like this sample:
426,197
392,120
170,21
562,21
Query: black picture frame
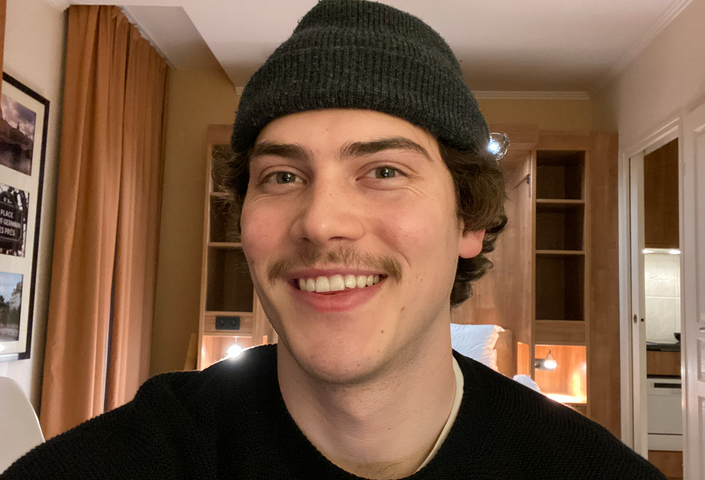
23,140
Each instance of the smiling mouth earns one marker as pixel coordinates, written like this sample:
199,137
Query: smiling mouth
337,283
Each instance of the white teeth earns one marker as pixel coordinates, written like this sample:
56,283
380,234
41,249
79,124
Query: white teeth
322,285
337,283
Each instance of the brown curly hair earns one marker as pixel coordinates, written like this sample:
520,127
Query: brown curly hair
479,192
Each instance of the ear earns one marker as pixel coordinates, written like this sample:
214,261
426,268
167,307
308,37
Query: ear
471,244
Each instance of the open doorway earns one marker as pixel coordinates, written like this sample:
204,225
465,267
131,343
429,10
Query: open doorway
656,304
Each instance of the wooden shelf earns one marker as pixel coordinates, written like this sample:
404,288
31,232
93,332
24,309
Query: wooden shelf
560,332
559,202
559,252
224,245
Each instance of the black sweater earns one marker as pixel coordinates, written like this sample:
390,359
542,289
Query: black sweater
230,421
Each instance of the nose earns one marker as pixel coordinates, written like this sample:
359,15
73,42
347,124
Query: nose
330,211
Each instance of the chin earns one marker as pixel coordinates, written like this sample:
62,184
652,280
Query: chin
341,363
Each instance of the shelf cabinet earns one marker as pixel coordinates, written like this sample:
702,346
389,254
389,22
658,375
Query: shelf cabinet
560,265
231,314
555,280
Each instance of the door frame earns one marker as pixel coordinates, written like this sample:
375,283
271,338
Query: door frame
671,129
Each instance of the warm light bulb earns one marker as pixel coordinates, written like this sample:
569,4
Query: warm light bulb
674,252
234,351
648,250
550,362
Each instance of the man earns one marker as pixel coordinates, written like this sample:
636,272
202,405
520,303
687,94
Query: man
367,205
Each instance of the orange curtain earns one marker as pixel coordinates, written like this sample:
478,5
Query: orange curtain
105,246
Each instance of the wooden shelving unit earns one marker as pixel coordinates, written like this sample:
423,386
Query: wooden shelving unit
230,310
561,268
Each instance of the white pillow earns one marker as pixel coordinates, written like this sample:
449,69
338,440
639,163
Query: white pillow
527,382
476,342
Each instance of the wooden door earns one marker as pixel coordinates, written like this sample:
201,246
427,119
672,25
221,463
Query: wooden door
693,292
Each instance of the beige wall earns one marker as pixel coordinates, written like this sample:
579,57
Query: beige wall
665,78
558,115
38,62
196,99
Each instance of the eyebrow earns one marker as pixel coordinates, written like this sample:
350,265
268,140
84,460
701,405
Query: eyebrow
359,149
295,151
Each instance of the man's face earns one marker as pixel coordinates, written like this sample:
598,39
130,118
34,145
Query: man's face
337,198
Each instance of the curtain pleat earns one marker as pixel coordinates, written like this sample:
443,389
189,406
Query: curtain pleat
99,156
138,238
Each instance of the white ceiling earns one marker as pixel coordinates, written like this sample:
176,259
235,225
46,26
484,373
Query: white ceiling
503,45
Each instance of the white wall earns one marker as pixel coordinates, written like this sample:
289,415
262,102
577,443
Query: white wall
663,296
35,37
665,78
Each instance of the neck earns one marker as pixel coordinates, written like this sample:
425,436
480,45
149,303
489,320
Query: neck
384,427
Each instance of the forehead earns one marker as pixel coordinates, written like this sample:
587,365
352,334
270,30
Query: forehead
331,128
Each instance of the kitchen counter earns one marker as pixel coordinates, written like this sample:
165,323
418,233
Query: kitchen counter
663,347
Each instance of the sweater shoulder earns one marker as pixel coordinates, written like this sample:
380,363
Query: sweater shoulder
169,430
524,434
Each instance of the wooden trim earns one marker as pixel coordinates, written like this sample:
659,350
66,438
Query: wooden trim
521,137
560,332
564,141
603,276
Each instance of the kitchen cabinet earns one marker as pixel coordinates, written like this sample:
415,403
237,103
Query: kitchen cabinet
661,214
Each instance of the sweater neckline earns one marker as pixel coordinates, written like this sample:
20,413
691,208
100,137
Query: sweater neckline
316,461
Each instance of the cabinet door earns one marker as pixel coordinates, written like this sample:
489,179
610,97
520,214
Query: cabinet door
661,201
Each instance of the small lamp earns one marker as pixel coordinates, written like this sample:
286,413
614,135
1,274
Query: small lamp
549,363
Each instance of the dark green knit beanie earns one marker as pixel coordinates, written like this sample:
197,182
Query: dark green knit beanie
367,55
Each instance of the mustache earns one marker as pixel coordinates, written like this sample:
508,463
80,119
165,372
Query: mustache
346,255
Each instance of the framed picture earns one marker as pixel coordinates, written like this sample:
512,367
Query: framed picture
23,136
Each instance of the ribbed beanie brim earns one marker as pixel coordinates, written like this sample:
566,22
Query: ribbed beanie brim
366,55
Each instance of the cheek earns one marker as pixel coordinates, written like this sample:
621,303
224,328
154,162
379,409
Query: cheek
424,232
259,227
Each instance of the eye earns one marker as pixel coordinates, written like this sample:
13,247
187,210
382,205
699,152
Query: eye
385,172
284,177
281,178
